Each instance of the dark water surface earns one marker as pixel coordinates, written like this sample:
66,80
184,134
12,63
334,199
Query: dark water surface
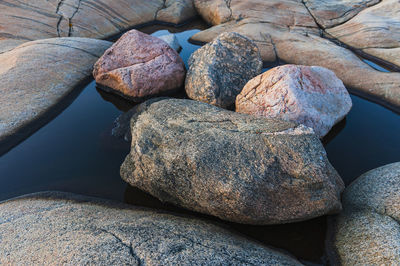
76,153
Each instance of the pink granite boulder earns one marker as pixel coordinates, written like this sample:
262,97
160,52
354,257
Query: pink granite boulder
312,96
138,66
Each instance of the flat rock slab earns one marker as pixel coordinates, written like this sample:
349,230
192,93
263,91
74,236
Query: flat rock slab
234,166
219,70
29,20
367,232
292,42
312,96
139,65
54,227
36,77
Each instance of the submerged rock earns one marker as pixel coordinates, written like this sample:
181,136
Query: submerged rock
172,41
37,81
139,66
367,232
55,227
219,70
312,96
234,166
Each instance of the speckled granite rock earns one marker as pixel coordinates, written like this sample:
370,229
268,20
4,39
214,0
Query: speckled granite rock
27,20
367,232
171,40
54,227
234,166
138,66
312,96
219,70
294,39
36,80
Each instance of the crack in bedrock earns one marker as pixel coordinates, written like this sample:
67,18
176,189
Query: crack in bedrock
76,4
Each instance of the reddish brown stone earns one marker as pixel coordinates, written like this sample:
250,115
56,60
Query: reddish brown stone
139,65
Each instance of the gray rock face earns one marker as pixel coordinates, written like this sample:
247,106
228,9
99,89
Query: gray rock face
61,228
367,232
234,166
219,70
36,77
172,41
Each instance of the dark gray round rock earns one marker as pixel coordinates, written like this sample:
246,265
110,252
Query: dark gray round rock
234,166
61,228
219,70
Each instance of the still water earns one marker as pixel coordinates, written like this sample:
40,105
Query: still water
75,152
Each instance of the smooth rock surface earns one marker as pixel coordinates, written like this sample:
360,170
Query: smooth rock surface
139,66
293,43
367,232
27,20
234,166
55,227
172,41
312,96
219,70
36,78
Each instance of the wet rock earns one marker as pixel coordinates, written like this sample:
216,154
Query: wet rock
234,166
312,96
219,70
55,227
139,66
27,20
177,11
288,41
332,13
172,41
37,80
367,231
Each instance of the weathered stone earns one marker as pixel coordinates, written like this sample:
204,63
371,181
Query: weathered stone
177,11
172,41
54,227
36,79
329,13
139,66
312,96
219,70
234,166
367,232
294,43
375,30
28,20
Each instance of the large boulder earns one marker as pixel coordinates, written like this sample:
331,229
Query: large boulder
61,228
312,96
138,66
294,39
367,232
219,70
234,166
38,80
24,20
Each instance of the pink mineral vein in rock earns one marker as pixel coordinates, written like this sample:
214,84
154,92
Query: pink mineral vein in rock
140,65
312,96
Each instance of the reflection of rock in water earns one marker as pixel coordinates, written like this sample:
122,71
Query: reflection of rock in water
119,102
336,129
305,240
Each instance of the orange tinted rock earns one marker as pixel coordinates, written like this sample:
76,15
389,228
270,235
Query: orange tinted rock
139,65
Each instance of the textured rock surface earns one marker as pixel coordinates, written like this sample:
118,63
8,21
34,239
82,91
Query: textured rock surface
367,232
36,77
53,228
219,70
172,41
328,13
375,30
294,43
27,20
312,96
234,166
140,65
